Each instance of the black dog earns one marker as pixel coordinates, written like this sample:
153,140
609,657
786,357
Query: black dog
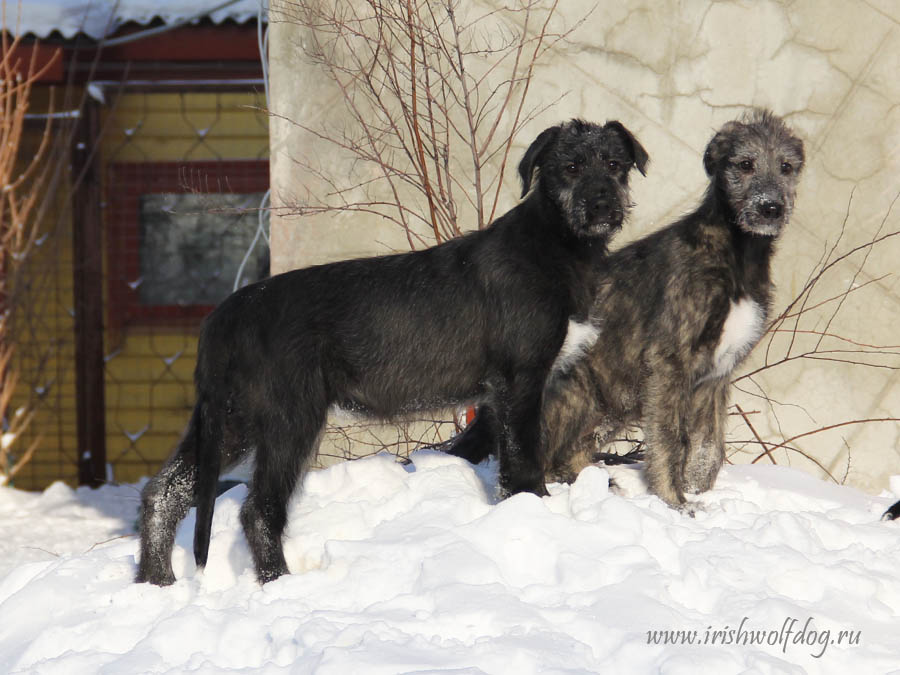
479,318
676,312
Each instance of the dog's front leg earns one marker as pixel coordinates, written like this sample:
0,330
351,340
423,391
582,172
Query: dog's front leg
666,430
517,418
707,450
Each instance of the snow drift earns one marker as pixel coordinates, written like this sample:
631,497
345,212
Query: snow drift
400,569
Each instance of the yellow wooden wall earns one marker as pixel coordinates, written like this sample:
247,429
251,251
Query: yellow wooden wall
149,389
43,329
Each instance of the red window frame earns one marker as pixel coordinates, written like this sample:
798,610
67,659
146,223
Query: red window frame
126,182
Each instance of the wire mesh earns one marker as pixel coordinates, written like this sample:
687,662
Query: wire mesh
183,175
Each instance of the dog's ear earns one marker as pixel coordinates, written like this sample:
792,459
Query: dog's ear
719,147
798,148
638,154
533,155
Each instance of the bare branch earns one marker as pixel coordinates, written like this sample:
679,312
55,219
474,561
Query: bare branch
22,201
820,342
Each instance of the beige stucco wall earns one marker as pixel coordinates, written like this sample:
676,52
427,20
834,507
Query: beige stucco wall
673,72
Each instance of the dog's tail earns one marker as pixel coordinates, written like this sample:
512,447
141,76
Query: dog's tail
206,434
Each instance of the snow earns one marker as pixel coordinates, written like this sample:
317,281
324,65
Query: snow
402,569
100,18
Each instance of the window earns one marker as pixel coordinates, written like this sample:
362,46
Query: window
179,233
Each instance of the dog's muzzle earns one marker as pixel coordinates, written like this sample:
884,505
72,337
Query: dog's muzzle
765,216
603,213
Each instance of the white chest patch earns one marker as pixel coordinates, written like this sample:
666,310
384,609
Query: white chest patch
742,330
579,338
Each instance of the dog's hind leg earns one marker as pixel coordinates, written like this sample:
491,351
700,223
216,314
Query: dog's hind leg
707,451
477,441
165,501
288,428
570,411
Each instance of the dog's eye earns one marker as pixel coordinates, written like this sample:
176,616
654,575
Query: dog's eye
573,169
613,165
786,167
746,165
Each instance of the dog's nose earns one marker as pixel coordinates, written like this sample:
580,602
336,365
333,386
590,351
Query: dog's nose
599,203
771,210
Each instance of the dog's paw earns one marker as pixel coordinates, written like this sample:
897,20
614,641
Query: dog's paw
892,513
691,509
505,492
271,572
160,578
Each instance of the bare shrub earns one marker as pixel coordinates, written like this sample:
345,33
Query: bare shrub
23,201
803,331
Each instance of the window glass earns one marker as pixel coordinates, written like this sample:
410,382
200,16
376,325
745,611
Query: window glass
192,245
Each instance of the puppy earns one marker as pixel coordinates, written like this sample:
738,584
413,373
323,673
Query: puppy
477,319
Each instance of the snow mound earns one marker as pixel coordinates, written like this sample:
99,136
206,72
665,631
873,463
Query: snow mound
417,569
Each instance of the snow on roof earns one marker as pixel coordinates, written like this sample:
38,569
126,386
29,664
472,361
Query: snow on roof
100,18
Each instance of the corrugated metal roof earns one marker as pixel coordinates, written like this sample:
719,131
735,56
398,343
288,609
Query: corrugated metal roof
100,18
